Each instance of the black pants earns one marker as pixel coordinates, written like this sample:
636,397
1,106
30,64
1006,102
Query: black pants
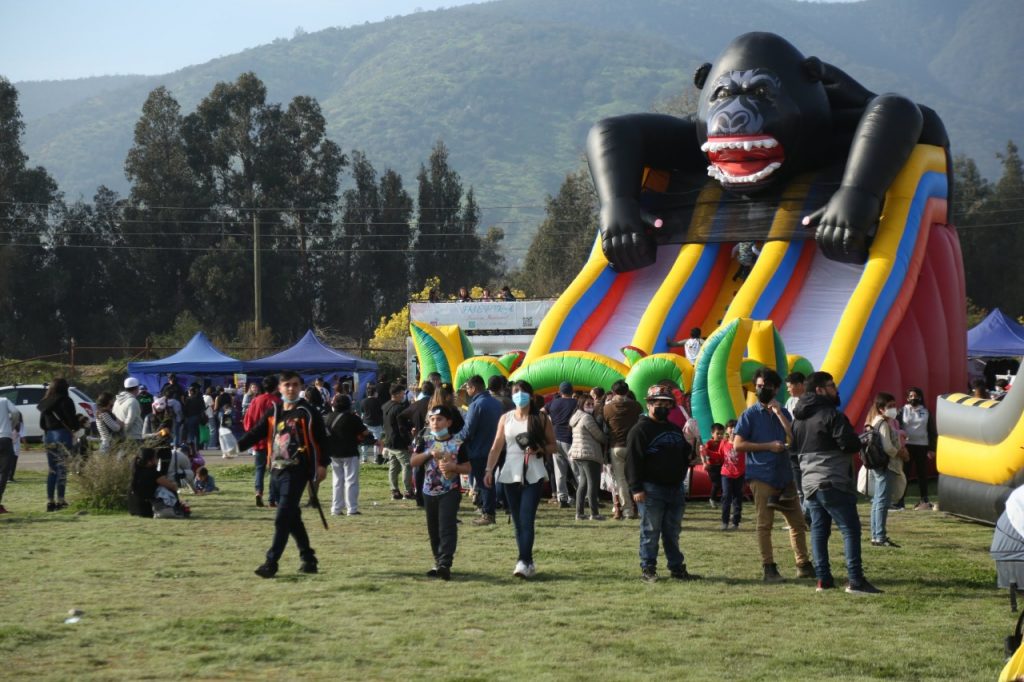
290,485
919,462
732,496
442,526
715,474
7,460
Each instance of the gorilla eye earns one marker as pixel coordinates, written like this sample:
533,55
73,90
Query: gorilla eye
761,91
720,93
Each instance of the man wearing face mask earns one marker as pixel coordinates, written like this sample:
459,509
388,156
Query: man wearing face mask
762,432
657,457
295,434
826,443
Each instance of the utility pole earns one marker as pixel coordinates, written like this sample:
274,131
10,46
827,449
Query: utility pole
257,291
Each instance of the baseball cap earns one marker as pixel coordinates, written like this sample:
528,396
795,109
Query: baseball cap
565,387
658,392
131,382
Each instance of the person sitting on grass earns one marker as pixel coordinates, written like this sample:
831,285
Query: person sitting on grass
444,458
205,483
152,491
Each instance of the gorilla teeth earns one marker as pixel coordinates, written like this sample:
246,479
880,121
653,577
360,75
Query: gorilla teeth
721,176
746,145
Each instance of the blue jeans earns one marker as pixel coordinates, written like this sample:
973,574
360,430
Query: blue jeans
732,497
259,460
826,506
882,481
479,468
290,485
522,502
57,478
192,430
661,517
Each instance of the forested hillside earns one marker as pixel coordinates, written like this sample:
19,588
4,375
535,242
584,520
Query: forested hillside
512,86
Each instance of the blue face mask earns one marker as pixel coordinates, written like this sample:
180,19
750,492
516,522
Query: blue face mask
440,434
521,399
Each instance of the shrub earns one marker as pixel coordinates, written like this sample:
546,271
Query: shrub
103,479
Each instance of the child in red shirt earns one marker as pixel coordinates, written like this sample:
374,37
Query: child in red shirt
711,456
734,466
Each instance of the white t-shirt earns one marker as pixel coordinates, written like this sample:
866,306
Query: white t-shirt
691,348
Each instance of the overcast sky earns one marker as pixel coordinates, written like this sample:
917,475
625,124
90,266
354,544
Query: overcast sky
54,39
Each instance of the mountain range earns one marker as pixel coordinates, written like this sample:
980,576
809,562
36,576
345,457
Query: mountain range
512,86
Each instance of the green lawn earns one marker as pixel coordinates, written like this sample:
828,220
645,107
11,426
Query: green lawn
163,599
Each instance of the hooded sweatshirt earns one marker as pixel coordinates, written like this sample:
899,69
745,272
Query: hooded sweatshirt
826,443
126,408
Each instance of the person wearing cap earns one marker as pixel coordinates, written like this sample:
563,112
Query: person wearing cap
561,410
345,433
126,408
657,457
763,431
444,458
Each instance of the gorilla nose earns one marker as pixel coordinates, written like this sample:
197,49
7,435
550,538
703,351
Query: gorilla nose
731,123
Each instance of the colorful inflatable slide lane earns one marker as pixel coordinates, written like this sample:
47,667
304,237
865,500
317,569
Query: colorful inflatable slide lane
980,454
866,324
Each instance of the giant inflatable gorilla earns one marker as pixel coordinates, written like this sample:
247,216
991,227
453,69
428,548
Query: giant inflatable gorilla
766,113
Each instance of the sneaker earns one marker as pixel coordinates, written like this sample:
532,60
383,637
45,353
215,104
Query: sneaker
896,507
355,513
51,506
649,575
923,506
396,495
862,587
273,505
259,500
309,567
484,520
409,496
64,505
724,526
597,517
520,569
581,517
267,570
432,573
564,504
771,574
713,504
823,585
734,526
884,542
444,573
531,570
805,570
684,575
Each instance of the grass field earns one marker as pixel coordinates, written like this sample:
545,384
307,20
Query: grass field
168,599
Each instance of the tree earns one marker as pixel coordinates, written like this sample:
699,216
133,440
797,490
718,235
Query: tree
447,239
565,238
27,199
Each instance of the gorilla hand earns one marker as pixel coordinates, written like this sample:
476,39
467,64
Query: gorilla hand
626,235
843,224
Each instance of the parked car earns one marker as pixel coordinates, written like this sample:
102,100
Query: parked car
26,396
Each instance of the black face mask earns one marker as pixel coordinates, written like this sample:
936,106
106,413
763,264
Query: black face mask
765,394
914,401
661,413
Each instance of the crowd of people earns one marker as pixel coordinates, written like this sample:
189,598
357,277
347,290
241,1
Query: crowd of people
514,448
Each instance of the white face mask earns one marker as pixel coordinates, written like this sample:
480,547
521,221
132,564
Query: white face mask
890,413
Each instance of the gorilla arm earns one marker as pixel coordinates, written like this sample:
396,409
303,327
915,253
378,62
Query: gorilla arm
886,134
618,149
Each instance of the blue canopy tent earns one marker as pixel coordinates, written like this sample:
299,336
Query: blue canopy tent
997,336
199,358
311,358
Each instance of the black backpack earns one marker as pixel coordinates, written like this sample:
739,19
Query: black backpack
872,454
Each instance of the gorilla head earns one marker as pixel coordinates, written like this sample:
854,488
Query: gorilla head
763,112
